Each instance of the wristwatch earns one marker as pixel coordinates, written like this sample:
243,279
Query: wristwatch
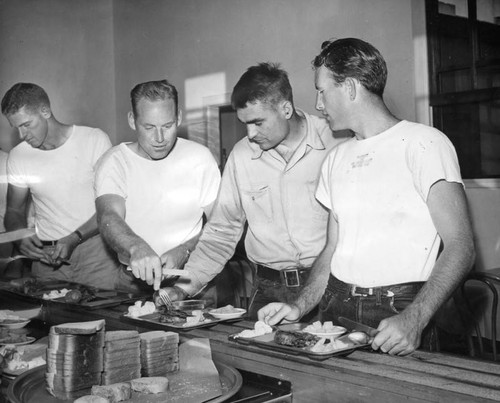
79,235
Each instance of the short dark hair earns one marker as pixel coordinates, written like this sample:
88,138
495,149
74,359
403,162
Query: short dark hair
265,82
22,95
154,91
351,57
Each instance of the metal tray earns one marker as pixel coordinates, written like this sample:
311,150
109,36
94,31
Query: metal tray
103,299
153,321
267,341
30,386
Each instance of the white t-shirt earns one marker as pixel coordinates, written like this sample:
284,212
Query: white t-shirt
377,189
60,180
164,199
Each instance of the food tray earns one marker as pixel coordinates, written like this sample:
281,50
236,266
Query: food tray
152,320
267,341
30,386
103,298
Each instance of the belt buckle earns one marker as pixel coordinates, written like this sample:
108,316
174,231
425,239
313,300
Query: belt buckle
291,277
356,294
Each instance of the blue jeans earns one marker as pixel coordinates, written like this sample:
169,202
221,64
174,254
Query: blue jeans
371,309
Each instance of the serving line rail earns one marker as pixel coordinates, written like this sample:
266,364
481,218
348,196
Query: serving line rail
363,376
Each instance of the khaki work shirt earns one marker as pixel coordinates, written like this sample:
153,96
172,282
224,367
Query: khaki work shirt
287,226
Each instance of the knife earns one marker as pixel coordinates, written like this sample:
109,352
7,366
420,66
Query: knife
171,272
356,326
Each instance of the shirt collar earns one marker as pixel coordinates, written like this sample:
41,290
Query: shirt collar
312,138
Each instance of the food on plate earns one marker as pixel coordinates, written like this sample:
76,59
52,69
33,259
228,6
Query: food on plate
140,309
196,317
295,338
11,337
183,318
7,316
225,309
174,316
74,296
153,384
325,345
260,329
358,337
17,359
328,328
53,294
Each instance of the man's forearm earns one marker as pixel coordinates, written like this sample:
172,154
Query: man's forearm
314,289
451,267
213,250
88,229
119,236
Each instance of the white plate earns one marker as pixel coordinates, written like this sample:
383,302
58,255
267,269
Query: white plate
29,340
15,325
229,315
338,330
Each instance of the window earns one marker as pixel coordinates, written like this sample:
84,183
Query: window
464,69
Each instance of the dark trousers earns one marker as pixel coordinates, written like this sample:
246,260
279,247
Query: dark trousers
267,290
340,299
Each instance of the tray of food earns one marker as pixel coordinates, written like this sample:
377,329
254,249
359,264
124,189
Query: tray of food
18,359
318,341
64,292
183,315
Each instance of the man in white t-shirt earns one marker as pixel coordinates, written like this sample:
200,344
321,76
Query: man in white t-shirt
54,167
151,194
395,197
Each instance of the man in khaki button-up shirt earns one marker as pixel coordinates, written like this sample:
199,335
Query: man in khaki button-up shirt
269,181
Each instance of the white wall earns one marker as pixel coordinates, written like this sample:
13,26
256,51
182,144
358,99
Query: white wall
198,40
65,46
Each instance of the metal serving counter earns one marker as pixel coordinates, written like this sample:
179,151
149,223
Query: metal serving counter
361,376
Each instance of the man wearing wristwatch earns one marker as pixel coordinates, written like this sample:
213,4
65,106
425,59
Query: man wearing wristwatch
53,166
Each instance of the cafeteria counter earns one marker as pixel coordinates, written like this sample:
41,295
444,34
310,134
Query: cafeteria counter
361,376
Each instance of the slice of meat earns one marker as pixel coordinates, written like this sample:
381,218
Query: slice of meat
295,339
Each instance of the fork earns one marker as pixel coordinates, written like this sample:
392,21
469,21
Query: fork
165,298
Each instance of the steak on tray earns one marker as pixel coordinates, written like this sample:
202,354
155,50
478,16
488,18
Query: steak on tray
295,339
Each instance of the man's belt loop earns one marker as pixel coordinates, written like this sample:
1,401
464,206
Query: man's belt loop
378,296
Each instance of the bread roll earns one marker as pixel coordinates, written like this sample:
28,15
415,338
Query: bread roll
116,392
154,384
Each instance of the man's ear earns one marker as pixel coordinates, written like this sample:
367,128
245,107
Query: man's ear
351,87
287,109
179,117
45,111
131,120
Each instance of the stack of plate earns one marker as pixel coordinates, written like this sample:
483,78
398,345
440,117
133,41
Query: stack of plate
122,356
74,358
159,353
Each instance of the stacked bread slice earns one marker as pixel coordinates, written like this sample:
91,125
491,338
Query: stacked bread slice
122,356
74,358
159,353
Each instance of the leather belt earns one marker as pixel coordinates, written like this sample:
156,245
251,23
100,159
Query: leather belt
389,290
294,277
49,243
